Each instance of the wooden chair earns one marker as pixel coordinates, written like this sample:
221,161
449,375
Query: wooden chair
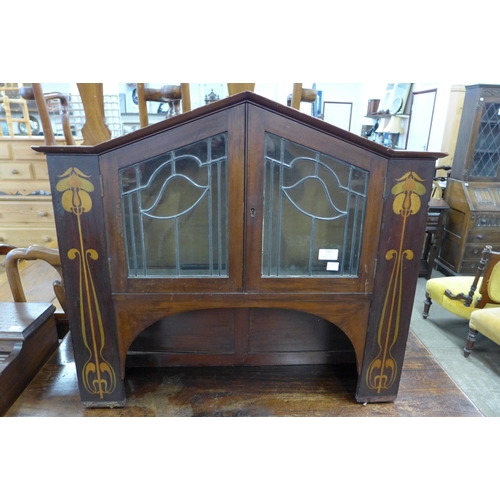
35,93
177,97
34,252
437,217
461,295
235,88
171,94
5,102
176,94
51,257
441,175
5,249
300,94
95,129
29,334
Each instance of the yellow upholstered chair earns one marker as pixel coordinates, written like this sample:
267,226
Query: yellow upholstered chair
486,322
461,295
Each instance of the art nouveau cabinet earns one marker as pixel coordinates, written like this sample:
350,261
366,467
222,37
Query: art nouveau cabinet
473,190
243,232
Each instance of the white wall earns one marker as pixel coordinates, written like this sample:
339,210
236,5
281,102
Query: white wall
360,93
440,111
357,93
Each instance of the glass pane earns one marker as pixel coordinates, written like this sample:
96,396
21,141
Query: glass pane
314,210
487,151
175,212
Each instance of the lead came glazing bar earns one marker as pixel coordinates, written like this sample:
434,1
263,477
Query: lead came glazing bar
320,202
170,191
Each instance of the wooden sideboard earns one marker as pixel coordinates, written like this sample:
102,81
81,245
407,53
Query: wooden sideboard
241,233
26,212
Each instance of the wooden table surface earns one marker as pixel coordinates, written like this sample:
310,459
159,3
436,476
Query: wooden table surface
248,391
322,390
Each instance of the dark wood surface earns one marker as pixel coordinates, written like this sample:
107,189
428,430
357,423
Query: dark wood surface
437,215
472,223
28,337
474,218
302,391
37,277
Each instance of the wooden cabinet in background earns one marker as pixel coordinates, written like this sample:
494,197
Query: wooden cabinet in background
26,211
473,190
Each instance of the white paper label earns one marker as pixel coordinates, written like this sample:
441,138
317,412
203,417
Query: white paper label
332,266
325,254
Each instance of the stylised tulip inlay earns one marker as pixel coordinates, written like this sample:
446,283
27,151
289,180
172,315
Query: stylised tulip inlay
383,370
97,374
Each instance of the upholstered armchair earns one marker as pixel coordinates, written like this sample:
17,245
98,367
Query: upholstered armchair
486,322
461,295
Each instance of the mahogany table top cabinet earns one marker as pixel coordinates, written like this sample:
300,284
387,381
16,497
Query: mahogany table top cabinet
241,233
473,189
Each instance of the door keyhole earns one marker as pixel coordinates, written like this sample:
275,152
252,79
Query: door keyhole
252,212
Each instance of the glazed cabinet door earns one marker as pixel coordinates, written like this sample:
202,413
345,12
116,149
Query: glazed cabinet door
176,223
484,156
313,209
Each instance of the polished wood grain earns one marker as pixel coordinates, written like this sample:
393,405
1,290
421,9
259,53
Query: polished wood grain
95,129
28,337
235,88
35,93
41,104
300,391
49,255
37,277
167,93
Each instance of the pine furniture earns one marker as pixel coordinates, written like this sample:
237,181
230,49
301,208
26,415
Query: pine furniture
26,213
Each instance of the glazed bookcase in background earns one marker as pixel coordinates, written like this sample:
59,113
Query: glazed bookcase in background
473,190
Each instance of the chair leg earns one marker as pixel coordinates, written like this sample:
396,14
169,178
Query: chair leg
427,305
469,344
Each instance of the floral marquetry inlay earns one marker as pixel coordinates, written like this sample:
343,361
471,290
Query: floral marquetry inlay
384,368
98,375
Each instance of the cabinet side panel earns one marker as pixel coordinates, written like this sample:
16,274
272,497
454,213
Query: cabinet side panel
77,198
401,237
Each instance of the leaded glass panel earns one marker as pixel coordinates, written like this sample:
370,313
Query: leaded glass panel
314,212
487,151
175,212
